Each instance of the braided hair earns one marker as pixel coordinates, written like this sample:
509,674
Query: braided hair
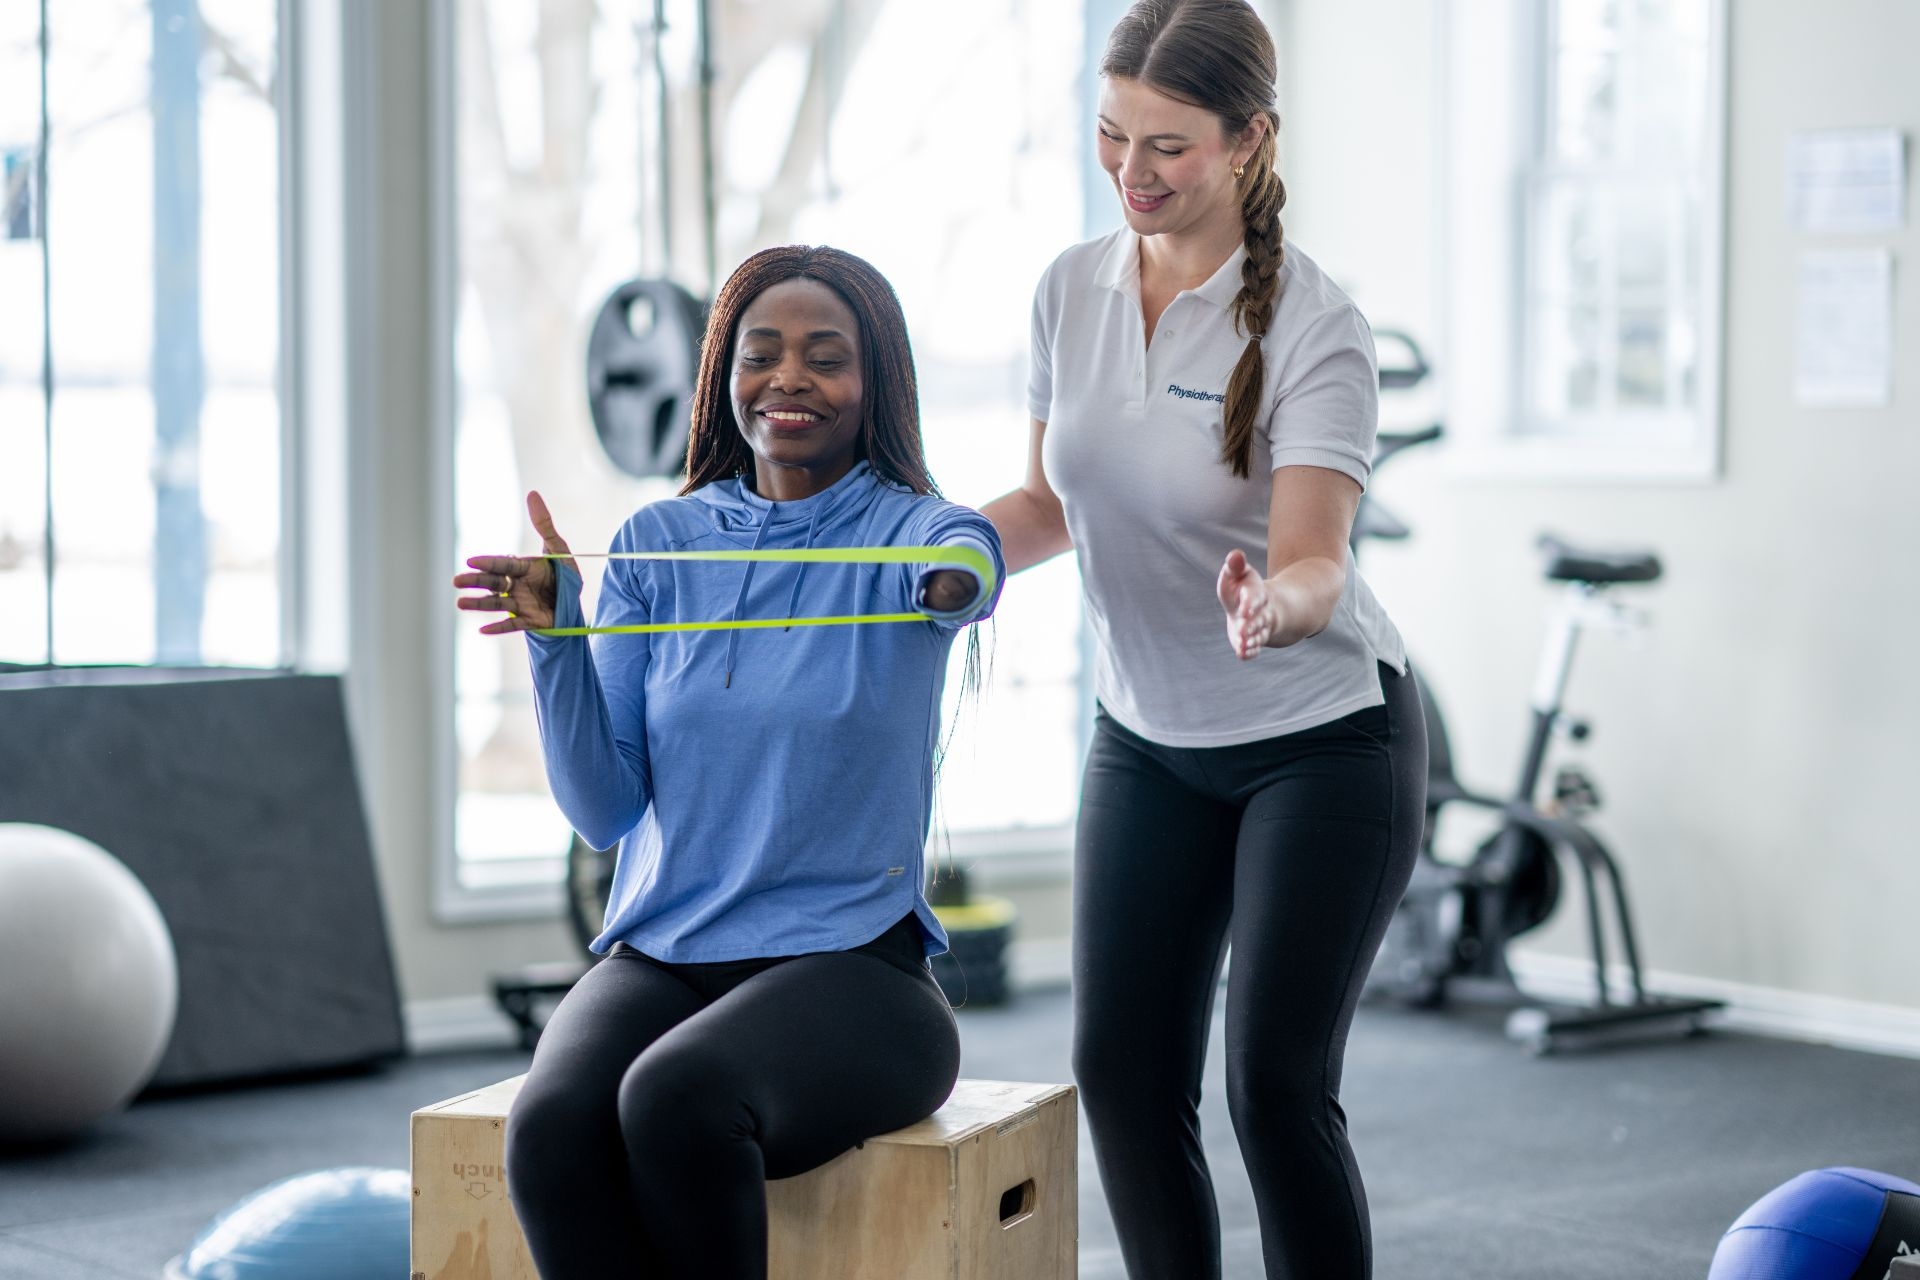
1217,55
890,437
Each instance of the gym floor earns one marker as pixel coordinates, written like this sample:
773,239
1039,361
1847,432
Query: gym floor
1600,1164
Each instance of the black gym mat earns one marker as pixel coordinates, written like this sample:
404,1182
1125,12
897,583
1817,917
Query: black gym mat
1481,1162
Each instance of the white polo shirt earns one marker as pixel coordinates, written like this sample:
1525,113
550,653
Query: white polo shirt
1132,447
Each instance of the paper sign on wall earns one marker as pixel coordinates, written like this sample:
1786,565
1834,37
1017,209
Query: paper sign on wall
1846,181
1844,346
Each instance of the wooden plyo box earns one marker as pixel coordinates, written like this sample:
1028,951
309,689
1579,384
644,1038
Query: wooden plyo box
986,1188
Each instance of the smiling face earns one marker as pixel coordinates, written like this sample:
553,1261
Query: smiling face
1171,162
797,389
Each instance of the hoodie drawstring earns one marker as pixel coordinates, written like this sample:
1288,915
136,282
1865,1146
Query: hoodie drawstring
793,601
746,580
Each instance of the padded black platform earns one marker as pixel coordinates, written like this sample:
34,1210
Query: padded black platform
1566,563
232,795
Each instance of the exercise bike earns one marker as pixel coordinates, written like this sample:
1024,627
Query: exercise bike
1449,935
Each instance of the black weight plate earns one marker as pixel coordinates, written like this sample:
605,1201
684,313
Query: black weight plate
643,356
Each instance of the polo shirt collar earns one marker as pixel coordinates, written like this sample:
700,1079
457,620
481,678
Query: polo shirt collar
1120,266
1224,284
1120,270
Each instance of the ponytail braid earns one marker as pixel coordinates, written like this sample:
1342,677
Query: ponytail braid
1263,196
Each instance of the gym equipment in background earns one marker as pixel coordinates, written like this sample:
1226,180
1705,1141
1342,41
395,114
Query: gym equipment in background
331,1224
643,355
1399,375
1450,933
973,969
88,985
232,795
1826,1224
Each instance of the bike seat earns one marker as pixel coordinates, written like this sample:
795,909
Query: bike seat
1372,520
1567,563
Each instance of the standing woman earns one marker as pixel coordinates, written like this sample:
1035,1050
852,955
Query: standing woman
1204,405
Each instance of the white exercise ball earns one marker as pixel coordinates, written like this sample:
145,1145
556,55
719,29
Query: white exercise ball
88,983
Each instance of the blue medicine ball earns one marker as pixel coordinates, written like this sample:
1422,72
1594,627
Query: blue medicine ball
1829,1224
333,1224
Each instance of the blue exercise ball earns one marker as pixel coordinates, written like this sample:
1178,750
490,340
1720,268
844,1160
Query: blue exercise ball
332,1224
1827,1224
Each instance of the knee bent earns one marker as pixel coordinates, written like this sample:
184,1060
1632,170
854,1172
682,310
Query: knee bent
546,1131
670,1098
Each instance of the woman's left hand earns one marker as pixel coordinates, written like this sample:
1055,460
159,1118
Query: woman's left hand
1253,614
948,590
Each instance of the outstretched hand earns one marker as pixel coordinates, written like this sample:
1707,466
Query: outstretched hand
525,588
1253,615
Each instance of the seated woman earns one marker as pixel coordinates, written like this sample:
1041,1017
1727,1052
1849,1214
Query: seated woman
765,1001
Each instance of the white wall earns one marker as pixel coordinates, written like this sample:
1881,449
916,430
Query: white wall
1755,753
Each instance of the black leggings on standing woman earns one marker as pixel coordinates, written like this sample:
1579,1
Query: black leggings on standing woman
663,1096
1295,849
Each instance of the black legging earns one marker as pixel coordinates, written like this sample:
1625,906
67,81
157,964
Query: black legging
662,1097
1296,849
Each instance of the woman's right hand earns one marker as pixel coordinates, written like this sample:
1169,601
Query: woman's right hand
525,588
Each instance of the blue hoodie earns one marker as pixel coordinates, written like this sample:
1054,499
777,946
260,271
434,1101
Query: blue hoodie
771,789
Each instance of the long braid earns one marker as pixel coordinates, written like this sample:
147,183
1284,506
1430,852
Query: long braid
1263,197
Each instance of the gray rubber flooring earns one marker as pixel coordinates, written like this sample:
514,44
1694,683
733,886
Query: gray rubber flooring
1618,1163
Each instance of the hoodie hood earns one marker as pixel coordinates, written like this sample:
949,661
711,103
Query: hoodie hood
741,515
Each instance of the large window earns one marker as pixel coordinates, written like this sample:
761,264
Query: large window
140,427
592,147
1594,349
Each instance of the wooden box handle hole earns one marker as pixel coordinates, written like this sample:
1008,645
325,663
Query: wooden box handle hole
1016,1204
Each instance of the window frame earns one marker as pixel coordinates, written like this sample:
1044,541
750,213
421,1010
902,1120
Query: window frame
453,902
292,219
1489,143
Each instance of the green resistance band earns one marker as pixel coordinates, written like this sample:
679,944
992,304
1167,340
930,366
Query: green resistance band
980,564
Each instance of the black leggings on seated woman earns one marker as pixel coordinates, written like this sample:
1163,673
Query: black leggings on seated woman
1294,850
662,1097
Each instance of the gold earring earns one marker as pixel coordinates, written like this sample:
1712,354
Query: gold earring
1239,171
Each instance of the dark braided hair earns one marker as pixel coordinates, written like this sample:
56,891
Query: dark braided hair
1218,56
890,424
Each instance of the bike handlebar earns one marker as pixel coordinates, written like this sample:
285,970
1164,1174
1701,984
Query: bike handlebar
1398,377
1388,443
